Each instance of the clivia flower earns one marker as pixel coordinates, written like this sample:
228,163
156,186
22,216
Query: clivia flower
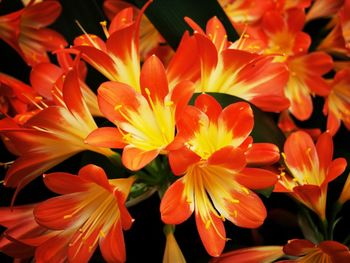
240,73
90,211
337,105
25,31
307,252
145,121
310,169
51,136
212,150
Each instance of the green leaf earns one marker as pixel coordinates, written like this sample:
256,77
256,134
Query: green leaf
168,17
265,128
265,192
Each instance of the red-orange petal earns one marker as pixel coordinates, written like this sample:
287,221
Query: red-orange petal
228,157
242,123
298,247
256,178
134,159
175,206
64,183
112,246
94,174
210,106
212,234
181,159
106,137
153,80
262,154
300,151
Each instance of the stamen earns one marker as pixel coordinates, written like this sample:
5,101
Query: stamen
245,190
104,27
86,34
117,107
169,103
67,216
6,164
207,224
32,101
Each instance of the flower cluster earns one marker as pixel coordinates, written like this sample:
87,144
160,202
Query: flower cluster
211,124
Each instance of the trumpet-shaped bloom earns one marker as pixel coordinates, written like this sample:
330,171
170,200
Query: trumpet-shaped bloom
118,59
338,40
263,254
90,211
17,99
25,31
146,121
239,73
282,34
311,169
151,42
20,228
51,136
307,252
172,252
323,8
212,149
305,79
345,193
337,105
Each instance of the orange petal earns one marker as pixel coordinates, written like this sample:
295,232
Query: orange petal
58,212
55,248
112,246
209,105
217,33
114,96
212,233
240,126
263,254
83,246
99,60
337,251
181,159
106,137
180,96
256,178
175,206
300,151
153,80
250,212
122,19
262,154
134,159
95,174
41,14
228,157
64,183
336,168
298,247
73,98
324,147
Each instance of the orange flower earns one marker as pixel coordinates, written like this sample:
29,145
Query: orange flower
305,78
172,252
345,193
212,150
239,73
263,254
118,59
21,227
323,8
17,99
337,105
90,210
283,34
51,136
310,168
146,121
307,252
151,42
338,40
24,31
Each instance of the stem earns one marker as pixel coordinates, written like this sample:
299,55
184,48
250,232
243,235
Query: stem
141,197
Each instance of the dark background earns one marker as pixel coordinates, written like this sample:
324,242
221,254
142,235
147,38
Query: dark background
145,241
